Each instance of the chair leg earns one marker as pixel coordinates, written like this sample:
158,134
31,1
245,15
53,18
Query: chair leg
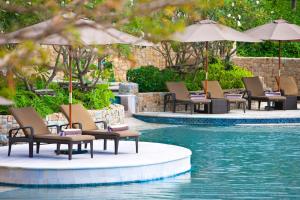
137,144
85,145
105,144
174,107
31,149
38,147
9,147
244,107
116,145
192,108
249,104
91,149
70,148
259,105
269,105
79,147
58,149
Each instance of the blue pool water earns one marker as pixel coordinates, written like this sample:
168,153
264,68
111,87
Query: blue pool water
237,162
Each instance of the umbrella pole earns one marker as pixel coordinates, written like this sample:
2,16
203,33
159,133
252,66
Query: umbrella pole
70,87
206,68
279,65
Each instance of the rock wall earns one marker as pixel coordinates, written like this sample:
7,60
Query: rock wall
113,115
267,68
139,57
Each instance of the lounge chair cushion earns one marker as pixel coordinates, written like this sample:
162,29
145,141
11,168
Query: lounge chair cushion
254,85
271,98
74,138
236,100
103,133
29,117
128,133
79,114
179,89
214,89
288,85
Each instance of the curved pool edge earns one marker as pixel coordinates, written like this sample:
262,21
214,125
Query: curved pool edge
216,121
103,169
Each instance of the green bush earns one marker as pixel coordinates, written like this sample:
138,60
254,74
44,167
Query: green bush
228,79
97,98
151,79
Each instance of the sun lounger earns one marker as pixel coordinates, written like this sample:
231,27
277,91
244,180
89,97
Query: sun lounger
83,119
36,131
288,86
179,94
255,92
215,91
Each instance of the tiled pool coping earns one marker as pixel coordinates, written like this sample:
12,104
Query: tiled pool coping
233,118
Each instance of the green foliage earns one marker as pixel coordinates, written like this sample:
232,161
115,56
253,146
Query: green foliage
97,98
244,15
228,78
151,79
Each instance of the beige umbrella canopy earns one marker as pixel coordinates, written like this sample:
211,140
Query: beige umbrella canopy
5,102
88,33
208,31
278,30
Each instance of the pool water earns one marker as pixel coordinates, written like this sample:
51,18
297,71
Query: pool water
237,162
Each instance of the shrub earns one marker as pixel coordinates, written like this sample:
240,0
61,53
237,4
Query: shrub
151,79
97,98
231,78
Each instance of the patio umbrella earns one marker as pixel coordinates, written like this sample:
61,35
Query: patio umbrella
208,31
89,33
278,30
5,102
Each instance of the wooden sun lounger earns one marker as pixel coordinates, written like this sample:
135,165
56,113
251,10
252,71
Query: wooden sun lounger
36,131
215,91
83,119
255,92
179,94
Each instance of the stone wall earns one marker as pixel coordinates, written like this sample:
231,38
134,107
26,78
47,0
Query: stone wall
113,115
139,57
267,68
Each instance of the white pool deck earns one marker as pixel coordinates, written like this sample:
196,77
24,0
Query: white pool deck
154,161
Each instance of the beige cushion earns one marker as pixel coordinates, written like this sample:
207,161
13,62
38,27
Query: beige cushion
179,89
29,117
236,100
214,89
128,133
254,85
74,138
289,85
105,134
81,115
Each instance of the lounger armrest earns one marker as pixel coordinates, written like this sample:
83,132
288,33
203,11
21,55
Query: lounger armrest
14,131
102,122
55,126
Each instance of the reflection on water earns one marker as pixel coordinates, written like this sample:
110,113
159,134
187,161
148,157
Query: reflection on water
227,163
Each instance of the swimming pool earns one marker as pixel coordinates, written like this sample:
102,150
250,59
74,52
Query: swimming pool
243,162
